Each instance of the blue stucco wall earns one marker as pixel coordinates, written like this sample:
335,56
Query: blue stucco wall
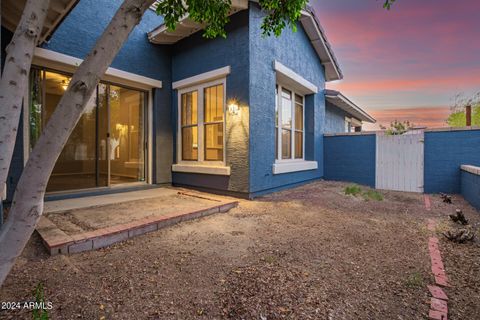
470,188
334,119
76,38
196,55
295,51
351,158
445,152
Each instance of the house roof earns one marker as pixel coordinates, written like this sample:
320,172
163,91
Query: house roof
319,40
58,9
339,100
308,19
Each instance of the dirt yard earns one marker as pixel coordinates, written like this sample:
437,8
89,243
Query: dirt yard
308,253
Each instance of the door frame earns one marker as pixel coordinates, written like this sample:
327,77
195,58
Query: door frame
147,124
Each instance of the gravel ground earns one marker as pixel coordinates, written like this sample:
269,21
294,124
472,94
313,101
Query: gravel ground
307,253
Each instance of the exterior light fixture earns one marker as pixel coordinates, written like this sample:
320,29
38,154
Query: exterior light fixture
233,108
65,85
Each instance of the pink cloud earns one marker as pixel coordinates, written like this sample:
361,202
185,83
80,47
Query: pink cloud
419,46
432,117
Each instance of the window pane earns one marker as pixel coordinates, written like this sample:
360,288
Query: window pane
298,145
286,144
286,113
286,94
213,103
189,108
214,142
36,102
276,143
298,117
76,166
190,143
298,99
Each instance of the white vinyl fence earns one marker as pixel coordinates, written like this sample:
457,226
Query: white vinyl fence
399,163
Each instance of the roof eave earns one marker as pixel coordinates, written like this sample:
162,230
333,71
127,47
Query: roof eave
58,10
321,45
342,102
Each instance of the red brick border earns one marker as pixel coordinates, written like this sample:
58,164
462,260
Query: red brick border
57,242
428,204
438,302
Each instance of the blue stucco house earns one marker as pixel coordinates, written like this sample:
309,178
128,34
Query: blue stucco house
244,115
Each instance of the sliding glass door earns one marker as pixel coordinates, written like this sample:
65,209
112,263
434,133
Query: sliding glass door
107,147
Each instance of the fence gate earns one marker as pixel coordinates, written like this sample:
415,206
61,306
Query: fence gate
399,164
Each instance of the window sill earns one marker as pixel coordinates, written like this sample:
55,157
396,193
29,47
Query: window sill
203,169
294,166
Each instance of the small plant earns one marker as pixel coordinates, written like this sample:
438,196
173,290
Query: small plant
39,313
353,189
414,280
372,195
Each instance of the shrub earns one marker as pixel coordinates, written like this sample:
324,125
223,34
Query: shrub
353,189
372,195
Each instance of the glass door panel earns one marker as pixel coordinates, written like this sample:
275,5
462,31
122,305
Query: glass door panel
76,165
102,136
107,146
127,132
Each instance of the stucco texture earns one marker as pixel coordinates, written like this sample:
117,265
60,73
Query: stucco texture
445,152
196,55
351,158
334,119
294,50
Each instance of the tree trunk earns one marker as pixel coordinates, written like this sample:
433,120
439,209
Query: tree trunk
27,206
14,81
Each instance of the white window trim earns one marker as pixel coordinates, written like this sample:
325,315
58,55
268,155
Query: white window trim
293,79
201,78
62,62
290,165
196,168
279,104
294,166
201,165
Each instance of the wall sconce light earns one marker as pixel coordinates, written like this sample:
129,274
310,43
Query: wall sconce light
233,108
65,84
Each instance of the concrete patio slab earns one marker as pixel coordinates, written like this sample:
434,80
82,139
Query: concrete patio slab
101,200
70,227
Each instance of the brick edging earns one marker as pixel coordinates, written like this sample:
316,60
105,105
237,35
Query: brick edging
57,242
438,302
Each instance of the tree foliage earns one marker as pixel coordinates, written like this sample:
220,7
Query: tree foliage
458,118
214,14
397,127
388,4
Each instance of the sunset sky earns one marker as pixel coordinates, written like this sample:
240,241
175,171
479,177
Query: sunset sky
407,63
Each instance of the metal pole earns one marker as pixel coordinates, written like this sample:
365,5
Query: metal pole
468,115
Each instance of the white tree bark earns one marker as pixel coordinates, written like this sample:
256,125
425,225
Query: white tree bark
14,81
27,205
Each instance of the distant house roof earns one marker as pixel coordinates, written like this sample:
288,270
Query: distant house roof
339,100
58,9
308,19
